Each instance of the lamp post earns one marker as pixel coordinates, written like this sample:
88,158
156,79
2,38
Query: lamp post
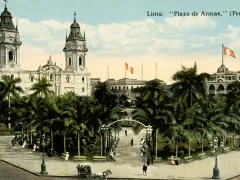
105,127
44,143
215,169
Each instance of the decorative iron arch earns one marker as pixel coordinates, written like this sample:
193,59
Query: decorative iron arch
120,120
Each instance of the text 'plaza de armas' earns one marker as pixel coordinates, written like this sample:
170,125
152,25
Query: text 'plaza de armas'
75,76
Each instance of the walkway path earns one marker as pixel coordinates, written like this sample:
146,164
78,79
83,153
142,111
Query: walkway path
127,154
126,167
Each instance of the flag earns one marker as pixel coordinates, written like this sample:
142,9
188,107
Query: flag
131,70
228,52
126,66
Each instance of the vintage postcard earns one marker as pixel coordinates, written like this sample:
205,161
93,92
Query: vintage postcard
119,89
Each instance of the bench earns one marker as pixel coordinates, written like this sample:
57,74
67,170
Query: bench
188,159
99,158
157,160
79,158
65,156
226,149
202,155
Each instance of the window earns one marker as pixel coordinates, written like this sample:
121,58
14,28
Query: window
123,87
51,77
131,87
68,79
82,79
83,89
69,61
127,87
10,56
229,78
80,61
12,76
32,77
119,87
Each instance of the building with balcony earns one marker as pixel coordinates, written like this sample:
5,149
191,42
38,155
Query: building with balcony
125,86
219,82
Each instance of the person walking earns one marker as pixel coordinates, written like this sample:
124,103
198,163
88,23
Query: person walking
144,169
79,169
34,148
132,142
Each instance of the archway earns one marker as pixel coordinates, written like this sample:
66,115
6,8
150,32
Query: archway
105,128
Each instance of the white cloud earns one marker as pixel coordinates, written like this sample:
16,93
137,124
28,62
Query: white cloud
190,22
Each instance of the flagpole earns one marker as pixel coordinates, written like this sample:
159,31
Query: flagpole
156,71
222,54
142,72
125,72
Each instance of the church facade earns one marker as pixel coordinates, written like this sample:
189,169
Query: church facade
74,77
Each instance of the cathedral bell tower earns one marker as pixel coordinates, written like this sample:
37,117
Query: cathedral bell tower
9,43
75,49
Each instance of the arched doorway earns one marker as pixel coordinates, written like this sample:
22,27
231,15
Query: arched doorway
211,89
220,89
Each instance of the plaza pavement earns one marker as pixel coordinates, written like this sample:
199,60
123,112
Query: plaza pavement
127,165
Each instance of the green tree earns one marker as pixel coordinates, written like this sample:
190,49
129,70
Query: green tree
9,88
41,88
153,108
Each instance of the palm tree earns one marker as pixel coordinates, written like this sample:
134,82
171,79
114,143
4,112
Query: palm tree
209,117
153,108
103,95
188,88
79,128
232,109
67,112
41,88
51,118
9,88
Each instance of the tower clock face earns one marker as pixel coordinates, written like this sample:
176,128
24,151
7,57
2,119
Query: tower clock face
12,65
81,68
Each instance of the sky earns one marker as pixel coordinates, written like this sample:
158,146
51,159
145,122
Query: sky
119,31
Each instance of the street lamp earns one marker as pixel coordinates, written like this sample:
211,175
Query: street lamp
44,143
105,127
215,169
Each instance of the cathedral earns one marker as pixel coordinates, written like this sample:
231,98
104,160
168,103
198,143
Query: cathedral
74,77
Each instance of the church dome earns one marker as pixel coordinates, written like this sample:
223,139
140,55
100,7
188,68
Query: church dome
222,69
75,33
6,20
75,25
6,13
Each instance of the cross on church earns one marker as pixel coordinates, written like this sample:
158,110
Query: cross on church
5,2
74,16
